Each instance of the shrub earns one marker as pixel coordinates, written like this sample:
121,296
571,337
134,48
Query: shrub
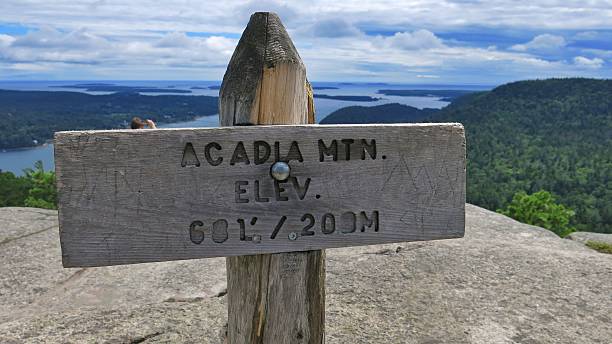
600,246
42,194
34,189
540,209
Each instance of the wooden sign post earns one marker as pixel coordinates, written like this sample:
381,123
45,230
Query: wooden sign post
270,198
272,298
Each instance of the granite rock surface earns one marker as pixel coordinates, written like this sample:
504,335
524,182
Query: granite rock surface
505,282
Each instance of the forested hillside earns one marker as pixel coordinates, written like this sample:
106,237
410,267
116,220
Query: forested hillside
26,116
553,135
386,113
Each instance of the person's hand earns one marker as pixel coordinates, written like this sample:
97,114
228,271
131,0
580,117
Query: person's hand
151,124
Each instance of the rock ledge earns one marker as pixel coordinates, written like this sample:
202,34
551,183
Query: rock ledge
505,282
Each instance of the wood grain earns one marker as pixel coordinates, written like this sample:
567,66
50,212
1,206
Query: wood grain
288,305
124,196
265,79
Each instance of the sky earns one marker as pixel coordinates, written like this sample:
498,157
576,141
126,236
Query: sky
412,42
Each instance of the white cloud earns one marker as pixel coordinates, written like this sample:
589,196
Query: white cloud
221,44
607,54
545,42
84,48
420,39
427,76
334,27
339,40
174,40
50,38
585,62
586,35
416,55
230,16
6,40
29,67
284,9
380,60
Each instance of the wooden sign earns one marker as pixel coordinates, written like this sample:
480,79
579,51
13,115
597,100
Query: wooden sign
133,196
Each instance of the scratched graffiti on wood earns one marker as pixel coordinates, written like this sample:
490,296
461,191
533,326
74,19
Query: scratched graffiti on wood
156,195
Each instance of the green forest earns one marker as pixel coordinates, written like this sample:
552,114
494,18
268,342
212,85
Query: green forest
528,136
26,116
553,135
385,113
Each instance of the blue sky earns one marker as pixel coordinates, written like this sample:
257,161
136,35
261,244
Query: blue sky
440,42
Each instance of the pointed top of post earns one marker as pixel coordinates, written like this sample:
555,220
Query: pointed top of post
264,45
264,41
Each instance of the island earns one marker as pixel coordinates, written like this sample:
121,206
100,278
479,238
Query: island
445,95
364,83
325,88
31,117
386,113
102,87
347,98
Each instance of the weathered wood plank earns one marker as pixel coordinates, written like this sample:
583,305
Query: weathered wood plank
153,195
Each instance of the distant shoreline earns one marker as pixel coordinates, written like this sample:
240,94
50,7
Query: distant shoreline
43,145
103,87
31,117
50,141
347,98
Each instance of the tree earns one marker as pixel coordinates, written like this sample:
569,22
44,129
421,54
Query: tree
43,193
540,209
13,190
